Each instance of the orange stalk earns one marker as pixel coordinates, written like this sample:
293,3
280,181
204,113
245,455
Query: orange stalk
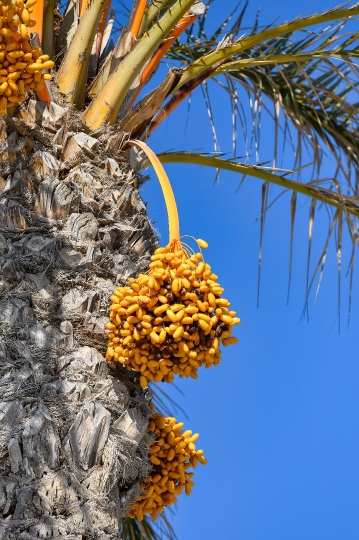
84,5
44,95
184,23
38,16
176,99
172,212
136,20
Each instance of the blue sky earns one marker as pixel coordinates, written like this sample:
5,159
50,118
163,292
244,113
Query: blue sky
279,417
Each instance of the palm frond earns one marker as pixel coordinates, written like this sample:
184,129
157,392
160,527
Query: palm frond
313,189
293,209
229,49
317,97
314,85
153,12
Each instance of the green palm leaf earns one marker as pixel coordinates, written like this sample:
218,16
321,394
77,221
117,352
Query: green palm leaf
312,79
349,205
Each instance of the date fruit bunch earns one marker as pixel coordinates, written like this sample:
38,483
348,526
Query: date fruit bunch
171,320
21,65
172,454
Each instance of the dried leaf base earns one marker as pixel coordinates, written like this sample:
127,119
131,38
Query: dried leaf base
73,443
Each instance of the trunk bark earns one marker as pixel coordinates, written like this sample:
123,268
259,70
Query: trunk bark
73,443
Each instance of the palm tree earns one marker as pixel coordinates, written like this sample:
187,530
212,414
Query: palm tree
74,441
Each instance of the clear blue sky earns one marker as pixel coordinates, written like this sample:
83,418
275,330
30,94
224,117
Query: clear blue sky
279,417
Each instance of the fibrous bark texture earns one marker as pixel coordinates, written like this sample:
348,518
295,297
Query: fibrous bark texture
73,443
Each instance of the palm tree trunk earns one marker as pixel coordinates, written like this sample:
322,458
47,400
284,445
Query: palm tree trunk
73,443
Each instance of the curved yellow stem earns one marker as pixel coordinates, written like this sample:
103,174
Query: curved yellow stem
173,220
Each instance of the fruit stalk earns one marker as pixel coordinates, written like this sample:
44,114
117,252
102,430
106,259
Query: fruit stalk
173,219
